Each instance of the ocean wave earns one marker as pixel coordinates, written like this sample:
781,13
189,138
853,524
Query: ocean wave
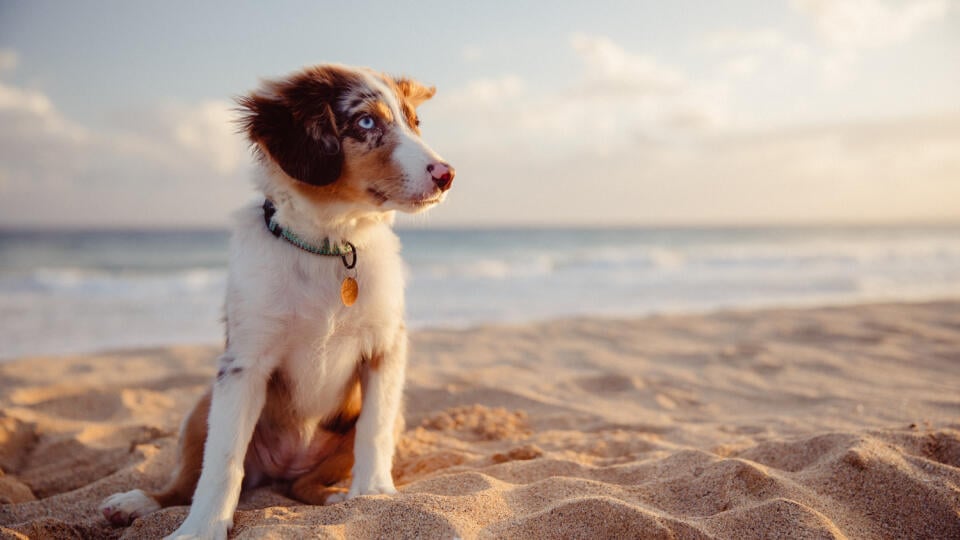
757,259
479,277
93,282
485,268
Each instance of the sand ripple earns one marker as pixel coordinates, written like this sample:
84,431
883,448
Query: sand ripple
746,425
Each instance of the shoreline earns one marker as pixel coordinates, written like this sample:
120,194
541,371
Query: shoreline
414,328
831,420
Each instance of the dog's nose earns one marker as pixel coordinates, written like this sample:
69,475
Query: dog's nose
442,174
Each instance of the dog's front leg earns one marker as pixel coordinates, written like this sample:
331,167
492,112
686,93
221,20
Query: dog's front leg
238,398
382,387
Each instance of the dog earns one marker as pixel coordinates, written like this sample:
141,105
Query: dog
309,387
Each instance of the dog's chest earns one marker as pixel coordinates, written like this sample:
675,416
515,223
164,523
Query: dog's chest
284,306
325,340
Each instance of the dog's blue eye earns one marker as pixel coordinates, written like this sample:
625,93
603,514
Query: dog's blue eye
366,122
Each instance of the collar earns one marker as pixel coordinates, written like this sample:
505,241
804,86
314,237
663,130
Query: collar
345,250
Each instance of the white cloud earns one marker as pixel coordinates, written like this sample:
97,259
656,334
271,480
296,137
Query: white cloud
742,65
858,24
610,70
207,131
9,59
761,40
748,51
472,53
182,162
849,27
898,169
631,93
13,99
616,97
725,40
204,132
669,152
37,145
20,106
487,91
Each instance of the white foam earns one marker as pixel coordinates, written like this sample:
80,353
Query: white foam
466,278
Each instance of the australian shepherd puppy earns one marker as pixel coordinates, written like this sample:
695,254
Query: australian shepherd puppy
309,387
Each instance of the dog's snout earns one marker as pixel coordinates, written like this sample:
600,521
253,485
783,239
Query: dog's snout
442,174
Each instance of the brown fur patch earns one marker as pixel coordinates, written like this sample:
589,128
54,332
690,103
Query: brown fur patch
349,409
314,487
363,168
280,422
294,122
278,409
180,489
383,111
411,95
374,361
414,92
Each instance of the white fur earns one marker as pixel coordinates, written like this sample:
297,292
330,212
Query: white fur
284,313
125,507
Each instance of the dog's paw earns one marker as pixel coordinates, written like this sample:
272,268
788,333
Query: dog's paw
190,531
385,488
123,508
335,498
340,496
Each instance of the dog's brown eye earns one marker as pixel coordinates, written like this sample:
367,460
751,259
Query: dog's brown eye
366,122
416,121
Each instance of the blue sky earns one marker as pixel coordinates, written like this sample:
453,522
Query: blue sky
118,113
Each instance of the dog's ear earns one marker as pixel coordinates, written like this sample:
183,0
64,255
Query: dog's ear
297,128
414,92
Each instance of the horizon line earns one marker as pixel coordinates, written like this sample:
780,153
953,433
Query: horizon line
518,226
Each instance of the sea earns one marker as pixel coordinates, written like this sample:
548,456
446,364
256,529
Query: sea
72,291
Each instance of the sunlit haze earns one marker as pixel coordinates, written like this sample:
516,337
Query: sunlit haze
119,114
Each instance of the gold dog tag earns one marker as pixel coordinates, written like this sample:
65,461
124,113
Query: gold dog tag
348,291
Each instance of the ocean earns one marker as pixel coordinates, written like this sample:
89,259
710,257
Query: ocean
84,291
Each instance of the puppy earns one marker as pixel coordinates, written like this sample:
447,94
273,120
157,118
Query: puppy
309,387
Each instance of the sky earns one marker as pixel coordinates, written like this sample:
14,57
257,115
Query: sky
119,114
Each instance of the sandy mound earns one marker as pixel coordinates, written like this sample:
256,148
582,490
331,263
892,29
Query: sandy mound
841,422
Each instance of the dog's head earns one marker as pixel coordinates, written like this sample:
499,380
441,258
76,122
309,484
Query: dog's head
346,135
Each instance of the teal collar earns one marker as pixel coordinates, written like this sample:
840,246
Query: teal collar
345,250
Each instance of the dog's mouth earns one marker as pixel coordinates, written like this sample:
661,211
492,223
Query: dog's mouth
381,198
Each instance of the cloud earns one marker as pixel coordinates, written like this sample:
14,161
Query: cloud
660,149
486,91
615,97
37,145
610,70
472,53
749,51
849,27
9,59
860,24
203,133
636,93
726,40
182,162
762,40
895,169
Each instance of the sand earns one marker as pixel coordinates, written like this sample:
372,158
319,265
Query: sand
811,423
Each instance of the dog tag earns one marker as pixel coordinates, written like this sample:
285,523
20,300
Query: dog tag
349,291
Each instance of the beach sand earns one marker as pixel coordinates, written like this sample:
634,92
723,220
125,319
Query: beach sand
801,423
